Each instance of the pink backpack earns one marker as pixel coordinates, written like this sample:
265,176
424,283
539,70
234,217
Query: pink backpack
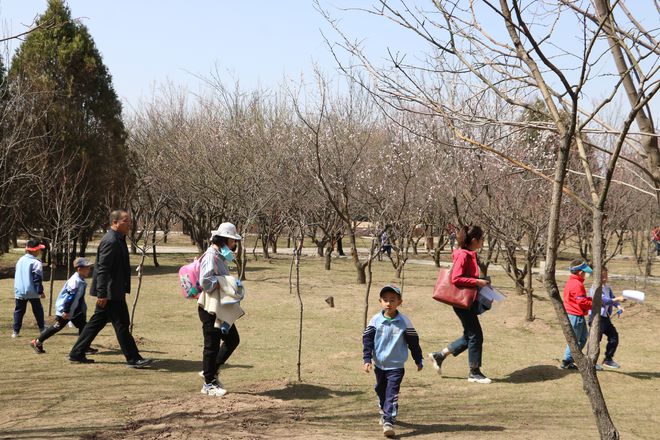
189,279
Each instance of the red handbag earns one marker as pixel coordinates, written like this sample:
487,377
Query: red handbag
448,293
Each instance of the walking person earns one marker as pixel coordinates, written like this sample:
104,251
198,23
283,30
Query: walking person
28,286
577,305
110,285
465,273
610,302
70,306
217,314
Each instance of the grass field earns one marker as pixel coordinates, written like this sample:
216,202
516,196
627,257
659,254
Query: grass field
44,396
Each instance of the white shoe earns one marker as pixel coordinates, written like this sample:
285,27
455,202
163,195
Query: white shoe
213,389
14,335
478,378
216,377
388,430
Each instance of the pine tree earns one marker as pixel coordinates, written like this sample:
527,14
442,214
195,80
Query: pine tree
74,101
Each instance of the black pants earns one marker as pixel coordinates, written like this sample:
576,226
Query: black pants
117,313
473,336
608,329
79,321
215,354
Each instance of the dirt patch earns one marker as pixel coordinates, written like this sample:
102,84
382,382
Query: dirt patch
235,416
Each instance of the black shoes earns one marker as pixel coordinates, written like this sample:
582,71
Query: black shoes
80,360
91,350
437,357
140,363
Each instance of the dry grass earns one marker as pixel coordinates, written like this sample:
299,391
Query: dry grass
43,396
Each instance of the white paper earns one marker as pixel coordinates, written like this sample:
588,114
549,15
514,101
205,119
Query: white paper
633,294
491,294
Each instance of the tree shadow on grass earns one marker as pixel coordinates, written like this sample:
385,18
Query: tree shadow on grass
536,373
304,391
186,365
643,375
435,428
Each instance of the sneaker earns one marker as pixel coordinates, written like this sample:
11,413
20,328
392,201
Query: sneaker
437,357
478,377
139,364
14,335
91,350
216,377
80,360
388,429
42,329
37,346
566,365
599,367
611,364
213,389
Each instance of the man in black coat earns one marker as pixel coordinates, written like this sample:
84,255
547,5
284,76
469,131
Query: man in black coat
110,285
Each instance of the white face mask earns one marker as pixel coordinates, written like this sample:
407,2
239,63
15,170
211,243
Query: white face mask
227,253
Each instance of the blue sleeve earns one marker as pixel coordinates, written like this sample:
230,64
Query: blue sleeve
37,279
368,338
412,339
69,296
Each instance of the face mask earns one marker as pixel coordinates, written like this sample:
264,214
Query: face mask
227,253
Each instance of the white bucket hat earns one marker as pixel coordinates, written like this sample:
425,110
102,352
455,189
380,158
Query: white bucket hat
227,230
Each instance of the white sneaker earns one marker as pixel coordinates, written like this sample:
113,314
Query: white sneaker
213,389
216,377
478,377
14,335
388,430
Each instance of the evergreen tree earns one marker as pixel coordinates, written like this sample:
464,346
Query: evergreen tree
79,115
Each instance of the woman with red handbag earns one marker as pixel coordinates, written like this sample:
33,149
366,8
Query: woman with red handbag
465,274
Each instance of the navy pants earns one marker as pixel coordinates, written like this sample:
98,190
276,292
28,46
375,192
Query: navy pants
21,307
473,336
608,329
388,383
79,321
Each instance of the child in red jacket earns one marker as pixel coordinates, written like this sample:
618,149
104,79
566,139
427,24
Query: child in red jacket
577,304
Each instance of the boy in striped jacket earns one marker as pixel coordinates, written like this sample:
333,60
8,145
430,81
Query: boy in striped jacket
386,341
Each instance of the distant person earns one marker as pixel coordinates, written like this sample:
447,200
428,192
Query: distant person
110,285
655,238
338,239
28,286
610,302
220,336
577,305
70,305
385,342
385,245
465,273
451,231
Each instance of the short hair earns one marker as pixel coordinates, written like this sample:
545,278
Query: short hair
117,214
576,263
219,240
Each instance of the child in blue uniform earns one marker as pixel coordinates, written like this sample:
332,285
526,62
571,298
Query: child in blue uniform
70,305
386,341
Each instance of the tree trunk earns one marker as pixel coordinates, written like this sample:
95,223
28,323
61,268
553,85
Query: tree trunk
328,257
140,269
370,277
530,293
297,253
153,249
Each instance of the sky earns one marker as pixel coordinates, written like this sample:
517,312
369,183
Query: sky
148,42
259,43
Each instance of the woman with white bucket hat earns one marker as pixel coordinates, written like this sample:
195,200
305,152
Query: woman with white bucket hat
218,305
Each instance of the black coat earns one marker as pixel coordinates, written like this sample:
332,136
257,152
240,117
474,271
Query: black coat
112,269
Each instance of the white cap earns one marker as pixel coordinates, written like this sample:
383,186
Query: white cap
227,230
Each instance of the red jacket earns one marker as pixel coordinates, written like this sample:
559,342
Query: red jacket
465,271
576,300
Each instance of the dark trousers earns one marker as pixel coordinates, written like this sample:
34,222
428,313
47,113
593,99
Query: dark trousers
21,307
608,329
388,383
473,337
117,313
215,354
79,321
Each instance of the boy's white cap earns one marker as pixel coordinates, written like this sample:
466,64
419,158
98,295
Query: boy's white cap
227,230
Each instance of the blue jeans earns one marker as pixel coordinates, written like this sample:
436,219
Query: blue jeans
21,307
473,336
579,325
387,387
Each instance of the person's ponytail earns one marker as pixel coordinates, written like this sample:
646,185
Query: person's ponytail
468,233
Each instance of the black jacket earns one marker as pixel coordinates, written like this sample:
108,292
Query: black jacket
112,269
